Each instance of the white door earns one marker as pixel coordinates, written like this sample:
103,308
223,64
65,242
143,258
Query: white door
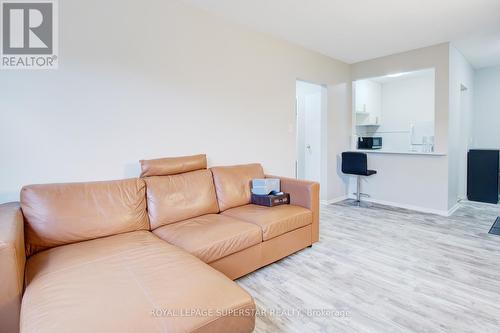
309,111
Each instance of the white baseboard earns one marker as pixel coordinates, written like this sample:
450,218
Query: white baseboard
334,200
412,207
396,204
481,203
453,209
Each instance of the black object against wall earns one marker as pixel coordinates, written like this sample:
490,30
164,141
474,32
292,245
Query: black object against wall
482,175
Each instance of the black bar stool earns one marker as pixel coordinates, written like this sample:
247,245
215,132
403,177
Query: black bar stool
355,163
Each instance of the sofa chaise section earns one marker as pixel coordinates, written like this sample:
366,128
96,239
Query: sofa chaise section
131,282
94,266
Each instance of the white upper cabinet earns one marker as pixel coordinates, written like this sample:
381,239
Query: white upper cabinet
368,102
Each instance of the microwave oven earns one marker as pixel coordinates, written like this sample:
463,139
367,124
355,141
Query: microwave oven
366,142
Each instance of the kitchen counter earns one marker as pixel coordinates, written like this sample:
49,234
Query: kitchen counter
382,151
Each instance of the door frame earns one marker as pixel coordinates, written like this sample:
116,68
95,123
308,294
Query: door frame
323,131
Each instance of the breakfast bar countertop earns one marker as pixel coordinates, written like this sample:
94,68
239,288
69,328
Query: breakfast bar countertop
382,151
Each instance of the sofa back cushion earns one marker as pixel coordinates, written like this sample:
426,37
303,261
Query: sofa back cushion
172,165
232,184
58,214
179,197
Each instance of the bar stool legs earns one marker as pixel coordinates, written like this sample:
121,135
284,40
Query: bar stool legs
358,189
357,202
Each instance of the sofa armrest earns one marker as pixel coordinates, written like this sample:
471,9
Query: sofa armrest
12,260
303,193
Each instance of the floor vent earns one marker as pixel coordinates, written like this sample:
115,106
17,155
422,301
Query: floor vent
495,228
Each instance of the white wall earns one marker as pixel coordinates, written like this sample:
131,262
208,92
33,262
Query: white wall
460,120
164,80
416,181
339,126
486,133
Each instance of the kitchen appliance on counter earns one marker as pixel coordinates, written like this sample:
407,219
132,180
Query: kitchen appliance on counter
368,142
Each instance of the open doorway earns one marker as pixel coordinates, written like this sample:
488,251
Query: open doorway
311,118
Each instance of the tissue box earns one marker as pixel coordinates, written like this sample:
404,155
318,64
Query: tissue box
271,200
265,186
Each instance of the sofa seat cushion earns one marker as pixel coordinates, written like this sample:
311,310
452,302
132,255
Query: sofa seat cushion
274,221
132,282
211,237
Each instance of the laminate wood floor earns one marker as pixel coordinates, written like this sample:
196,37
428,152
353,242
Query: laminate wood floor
384,269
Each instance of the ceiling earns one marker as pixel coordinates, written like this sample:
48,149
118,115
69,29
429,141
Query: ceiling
357,30
481,51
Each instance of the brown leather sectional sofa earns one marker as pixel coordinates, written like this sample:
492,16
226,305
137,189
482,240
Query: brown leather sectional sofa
153,254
